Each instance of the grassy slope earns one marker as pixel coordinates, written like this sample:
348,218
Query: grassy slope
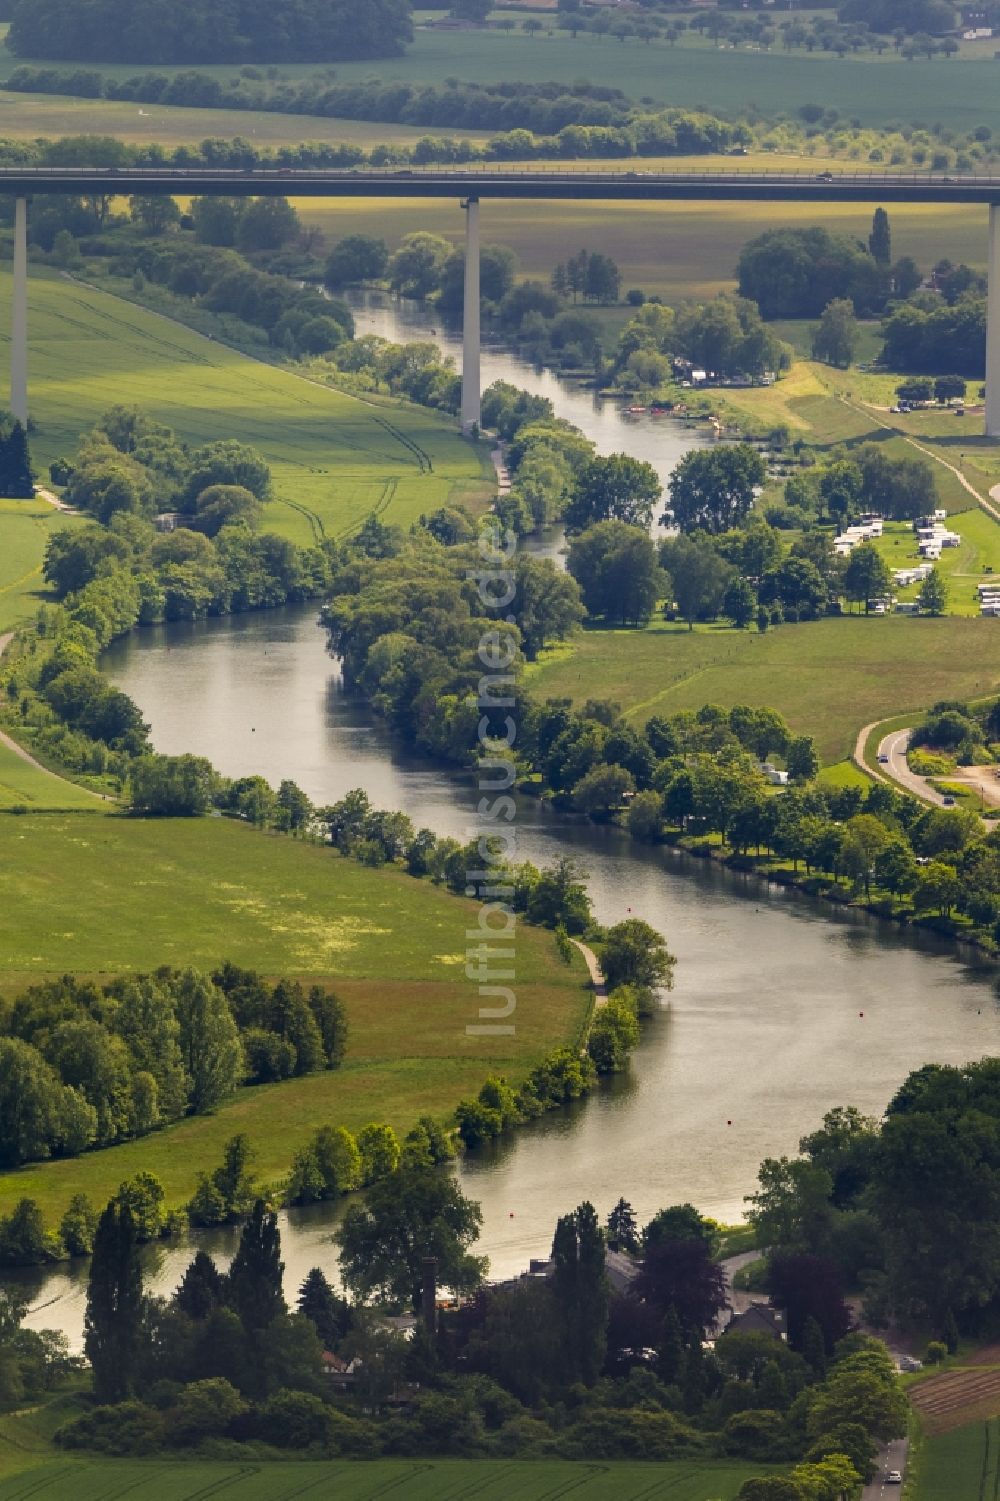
829,677
25,527
24,786
338,457
486,1480
107,894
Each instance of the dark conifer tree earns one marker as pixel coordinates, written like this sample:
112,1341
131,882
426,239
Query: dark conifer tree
255,1275
580,1287
623,1231
201,1288
113,1320
16,480
330,1314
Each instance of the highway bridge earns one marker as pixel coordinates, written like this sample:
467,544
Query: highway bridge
471,184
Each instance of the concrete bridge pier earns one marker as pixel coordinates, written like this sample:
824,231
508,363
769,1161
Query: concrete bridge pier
993,326
471,376
19,316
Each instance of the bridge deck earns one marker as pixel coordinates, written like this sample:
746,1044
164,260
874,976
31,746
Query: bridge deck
490,182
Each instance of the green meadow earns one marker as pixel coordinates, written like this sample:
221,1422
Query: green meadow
828,677
25,527
335,458
950,1466
426,1480
107,894
28,787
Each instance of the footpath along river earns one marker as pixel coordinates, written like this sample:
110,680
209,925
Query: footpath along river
783,1007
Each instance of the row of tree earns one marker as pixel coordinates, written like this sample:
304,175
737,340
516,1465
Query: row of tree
83,1065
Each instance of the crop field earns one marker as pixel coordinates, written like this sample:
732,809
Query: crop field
335,458
695,74
828,677
105,894
25,528
673,250
429,1480
962,1463
957,1397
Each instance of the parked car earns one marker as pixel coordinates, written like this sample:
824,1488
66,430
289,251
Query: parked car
909,1363
949,802
894,1478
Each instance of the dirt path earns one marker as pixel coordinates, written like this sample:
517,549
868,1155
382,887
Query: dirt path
53,500
19,750
594,970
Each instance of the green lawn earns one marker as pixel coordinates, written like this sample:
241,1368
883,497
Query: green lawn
24,786
829,677
426,1480
25,528
110,893
335,458
953,1466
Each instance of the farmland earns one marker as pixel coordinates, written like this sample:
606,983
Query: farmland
106,894
334,457
435,1480
828,677
963,1462
966,1394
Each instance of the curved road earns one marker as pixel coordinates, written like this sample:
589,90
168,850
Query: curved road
894,746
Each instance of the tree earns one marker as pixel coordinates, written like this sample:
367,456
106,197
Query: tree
739,602
614,1032
699,576
622,1232
415,268
548,604
354,259
602,791
156,212
880,239
16,478
618,571
615,488
933,596
633,953
682,1275
210,1045
227,462
318,1302
217,220
201,1288
471,10
801,759
378,1149
254,1286
408,1216
836,338
113,1318
712,489
267,224
580,1291
867,575
947,387
225,505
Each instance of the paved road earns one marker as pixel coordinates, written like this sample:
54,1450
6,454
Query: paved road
892,1457
894,746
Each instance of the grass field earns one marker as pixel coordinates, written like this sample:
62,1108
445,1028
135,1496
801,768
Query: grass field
828,677
674,250
696,74
24,786
25,528
958,1465
335,458
426,1480
107,894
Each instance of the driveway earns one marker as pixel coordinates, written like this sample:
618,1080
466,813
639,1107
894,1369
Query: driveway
892,1457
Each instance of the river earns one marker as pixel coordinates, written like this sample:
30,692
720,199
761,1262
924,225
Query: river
783,1007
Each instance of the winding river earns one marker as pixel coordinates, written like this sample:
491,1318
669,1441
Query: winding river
783,1008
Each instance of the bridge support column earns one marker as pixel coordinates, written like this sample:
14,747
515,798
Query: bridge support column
19,316
471,377
993,326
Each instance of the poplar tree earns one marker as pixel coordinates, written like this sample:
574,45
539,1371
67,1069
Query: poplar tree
880,239
113,1320
580,1287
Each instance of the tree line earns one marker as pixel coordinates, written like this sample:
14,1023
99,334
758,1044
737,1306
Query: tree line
84,1065
246,31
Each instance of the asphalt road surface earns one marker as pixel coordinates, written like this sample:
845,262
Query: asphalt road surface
894,746
893,1457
